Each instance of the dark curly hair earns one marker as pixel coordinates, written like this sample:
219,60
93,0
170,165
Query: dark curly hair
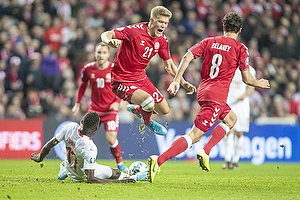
91,120
232,22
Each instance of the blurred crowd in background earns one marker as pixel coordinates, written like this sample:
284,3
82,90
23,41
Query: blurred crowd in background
44,44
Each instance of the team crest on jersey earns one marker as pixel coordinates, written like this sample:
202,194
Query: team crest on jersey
108,77
120,29
156,46
92,75
92,160
247,60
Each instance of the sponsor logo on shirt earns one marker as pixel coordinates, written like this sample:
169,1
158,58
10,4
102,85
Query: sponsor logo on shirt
92,160
92,75
142,43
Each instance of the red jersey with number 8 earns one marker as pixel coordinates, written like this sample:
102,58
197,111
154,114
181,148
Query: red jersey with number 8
135,52
221,57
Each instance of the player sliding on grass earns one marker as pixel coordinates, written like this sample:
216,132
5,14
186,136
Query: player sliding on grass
81,153
222,55
138,44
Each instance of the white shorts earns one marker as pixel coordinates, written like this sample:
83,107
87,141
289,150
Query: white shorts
101,172
242,111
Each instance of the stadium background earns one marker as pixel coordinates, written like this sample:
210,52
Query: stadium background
44,45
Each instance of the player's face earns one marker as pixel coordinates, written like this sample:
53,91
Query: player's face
102,54
158,25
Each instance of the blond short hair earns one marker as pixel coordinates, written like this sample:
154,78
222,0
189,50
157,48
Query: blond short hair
102,44
160,10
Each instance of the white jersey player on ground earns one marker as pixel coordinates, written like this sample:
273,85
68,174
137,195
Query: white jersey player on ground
238,100
81,153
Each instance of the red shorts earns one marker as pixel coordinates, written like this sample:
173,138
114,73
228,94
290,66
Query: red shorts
110,120
209,114
124,90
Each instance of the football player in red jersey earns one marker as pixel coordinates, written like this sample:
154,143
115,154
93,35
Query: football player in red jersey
222,55
104,101
138,44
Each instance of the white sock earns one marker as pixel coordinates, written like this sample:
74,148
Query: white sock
188,140
238,144
115,144
229,147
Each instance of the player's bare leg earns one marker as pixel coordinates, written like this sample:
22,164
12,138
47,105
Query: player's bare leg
162,108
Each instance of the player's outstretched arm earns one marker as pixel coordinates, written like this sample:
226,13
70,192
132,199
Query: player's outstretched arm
184,63
45,150
92,179
109,38
172,70
250,80
189,87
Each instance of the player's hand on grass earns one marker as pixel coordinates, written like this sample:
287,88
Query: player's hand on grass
114,43
36,157
127,180
173,88
189,87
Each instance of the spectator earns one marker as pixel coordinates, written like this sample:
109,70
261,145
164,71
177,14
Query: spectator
50,67
36,77
13,81
53,35
32,103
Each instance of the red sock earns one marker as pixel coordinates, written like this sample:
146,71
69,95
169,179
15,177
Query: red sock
116,152
216,135
146,116
177,147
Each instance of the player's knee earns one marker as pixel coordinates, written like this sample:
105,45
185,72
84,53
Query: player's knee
231,124
165,111
233,121
230,120
148,104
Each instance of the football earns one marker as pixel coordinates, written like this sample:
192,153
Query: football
137,167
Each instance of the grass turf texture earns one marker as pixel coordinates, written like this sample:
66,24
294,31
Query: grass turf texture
176,180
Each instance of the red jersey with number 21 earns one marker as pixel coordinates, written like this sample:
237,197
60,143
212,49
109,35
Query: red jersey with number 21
135,52
221,57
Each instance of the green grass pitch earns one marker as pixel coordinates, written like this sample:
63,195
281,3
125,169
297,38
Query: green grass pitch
24,179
